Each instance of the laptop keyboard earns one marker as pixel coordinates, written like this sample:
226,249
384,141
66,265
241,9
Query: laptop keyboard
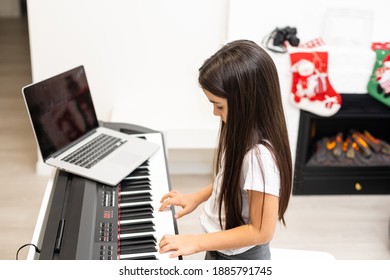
92,152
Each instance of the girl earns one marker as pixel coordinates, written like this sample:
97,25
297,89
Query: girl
253,170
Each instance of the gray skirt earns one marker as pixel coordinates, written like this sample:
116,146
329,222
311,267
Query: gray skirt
259,252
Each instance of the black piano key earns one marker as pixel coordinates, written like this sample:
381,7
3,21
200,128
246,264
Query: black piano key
144,208
130,251
135,181
147,226
133,212
144,187
136,198
139,238
136,187
136,249
148,257
134,194
142,211
139,172
135,216
136,242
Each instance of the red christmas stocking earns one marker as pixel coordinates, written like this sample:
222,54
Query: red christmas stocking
311,90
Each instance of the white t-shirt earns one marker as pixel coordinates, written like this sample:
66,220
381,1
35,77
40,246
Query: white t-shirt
251,179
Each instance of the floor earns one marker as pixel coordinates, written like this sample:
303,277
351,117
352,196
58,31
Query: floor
347,227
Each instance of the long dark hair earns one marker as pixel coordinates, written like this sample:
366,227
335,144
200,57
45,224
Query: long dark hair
244,74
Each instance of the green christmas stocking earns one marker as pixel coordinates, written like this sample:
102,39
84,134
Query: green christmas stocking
379,83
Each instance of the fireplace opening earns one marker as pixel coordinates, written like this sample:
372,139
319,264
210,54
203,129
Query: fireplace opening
348,153
348,142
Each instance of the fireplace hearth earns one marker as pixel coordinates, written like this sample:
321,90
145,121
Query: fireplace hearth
347,153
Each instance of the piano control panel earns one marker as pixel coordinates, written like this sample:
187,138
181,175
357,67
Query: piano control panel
106,225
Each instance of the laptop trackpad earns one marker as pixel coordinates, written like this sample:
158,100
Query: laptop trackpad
124,158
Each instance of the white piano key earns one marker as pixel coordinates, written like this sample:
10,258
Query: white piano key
135,192
135,221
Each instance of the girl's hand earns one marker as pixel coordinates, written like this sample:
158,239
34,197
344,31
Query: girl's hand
182,245
187,201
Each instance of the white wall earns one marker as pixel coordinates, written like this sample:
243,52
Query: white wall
142,56
144,53
141,59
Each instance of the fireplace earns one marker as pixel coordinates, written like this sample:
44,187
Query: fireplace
330,158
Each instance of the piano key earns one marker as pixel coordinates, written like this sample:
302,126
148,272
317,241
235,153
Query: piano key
140,172
135,234
136,189
138,248
142,238
144,208
140,197
144,226
129,184
134,250
140,257
132,181
141,212
136,177
134,192
130,204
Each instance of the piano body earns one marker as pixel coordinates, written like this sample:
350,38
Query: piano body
81,219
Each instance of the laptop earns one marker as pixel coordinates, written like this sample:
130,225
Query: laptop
69,136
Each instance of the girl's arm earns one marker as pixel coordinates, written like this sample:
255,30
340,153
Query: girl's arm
238,237
187,201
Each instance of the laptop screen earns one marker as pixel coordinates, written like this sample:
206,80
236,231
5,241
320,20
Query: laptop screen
61,110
